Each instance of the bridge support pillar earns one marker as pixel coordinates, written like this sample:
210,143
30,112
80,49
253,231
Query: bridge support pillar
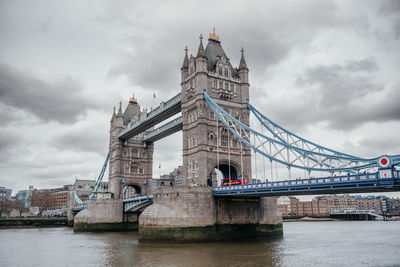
192,214
103,215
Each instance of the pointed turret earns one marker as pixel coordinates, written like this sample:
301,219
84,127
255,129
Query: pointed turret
185,63
242,64
201,59
120,109
200,51
185,66
113,115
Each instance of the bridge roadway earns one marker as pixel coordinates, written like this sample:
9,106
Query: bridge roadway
358,183
164,111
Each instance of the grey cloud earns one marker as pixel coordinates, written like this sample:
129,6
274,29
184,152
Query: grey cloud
340,84
8,141
344,96
84,138
59,100
264,30
389,7
376,143
391,10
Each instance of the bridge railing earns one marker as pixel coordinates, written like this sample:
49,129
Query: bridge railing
162,105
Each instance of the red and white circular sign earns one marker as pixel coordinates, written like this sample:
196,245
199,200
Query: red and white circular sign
384,162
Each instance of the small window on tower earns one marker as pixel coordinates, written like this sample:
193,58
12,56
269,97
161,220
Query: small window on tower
211,115
234,143
134,169
224,140
220,71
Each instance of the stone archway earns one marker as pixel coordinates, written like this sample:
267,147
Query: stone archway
131,191
221,171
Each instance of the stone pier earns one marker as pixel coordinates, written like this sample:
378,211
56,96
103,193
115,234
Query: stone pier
191,214
103,215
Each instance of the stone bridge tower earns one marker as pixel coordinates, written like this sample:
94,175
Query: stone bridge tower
208,147
131,162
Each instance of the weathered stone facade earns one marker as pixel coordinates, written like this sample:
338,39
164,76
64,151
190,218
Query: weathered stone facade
206,144
103,215
190,212
131,162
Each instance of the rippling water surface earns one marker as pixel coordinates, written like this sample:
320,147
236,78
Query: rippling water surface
302,244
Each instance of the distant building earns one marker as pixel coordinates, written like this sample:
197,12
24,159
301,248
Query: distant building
5,194
61,199
322,205
171,179
371,203
284,205
342,202
25,197
390,206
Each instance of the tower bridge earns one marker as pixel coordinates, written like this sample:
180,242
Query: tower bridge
215,108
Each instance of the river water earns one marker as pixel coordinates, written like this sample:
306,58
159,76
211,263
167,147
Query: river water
357,243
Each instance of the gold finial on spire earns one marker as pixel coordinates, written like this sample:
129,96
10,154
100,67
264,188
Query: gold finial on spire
133,99
213,36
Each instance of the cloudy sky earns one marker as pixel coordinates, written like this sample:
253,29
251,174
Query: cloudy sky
327,70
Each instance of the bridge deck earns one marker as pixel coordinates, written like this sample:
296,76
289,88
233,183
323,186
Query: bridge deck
364,183
157,115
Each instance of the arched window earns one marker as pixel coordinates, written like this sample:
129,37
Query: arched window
226,72
220,71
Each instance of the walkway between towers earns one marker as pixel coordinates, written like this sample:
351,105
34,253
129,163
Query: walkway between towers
164,111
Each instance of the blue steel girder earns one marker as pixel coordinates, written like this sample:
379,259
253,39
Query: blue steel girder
324,161
164,111
265,121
